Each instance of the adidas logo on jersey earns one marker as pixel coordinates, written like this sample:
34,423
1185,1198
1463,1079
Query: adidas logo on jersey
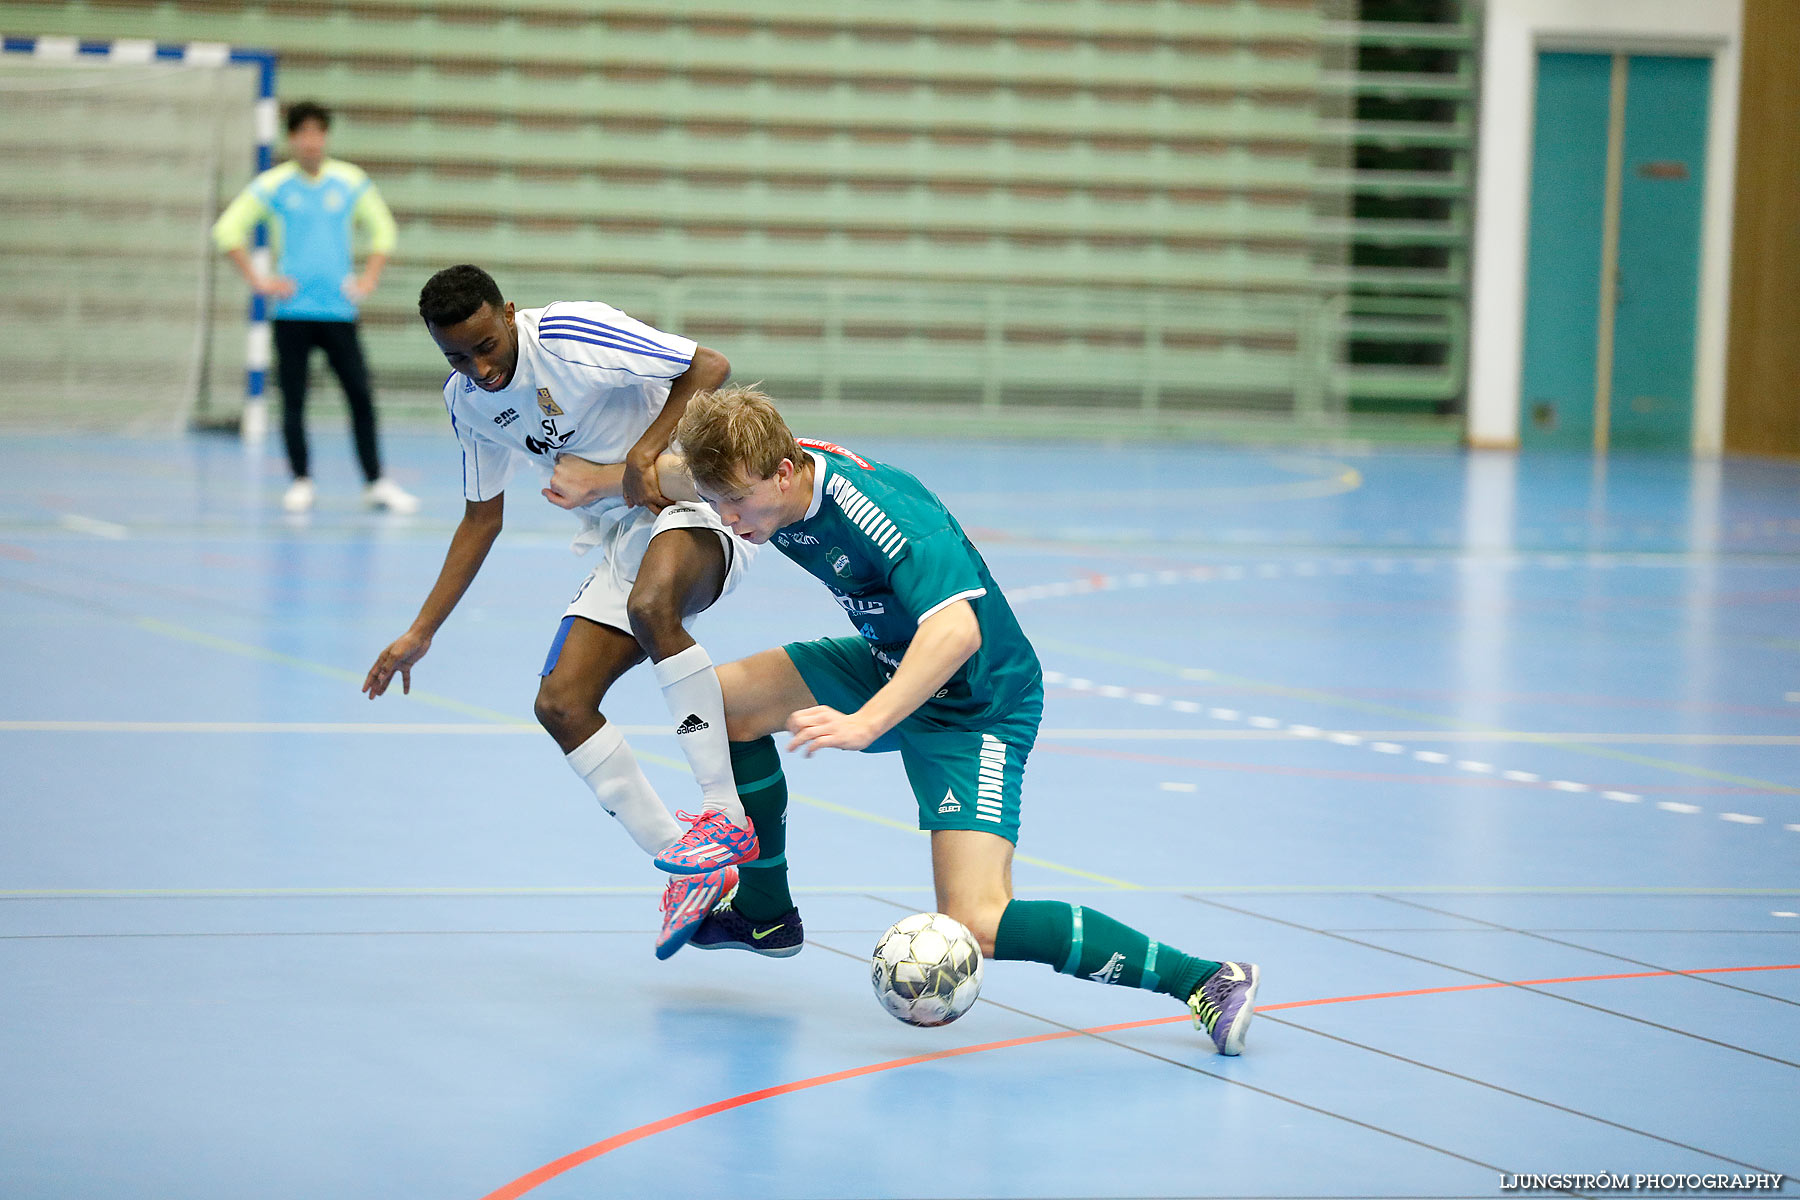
693,724
950,804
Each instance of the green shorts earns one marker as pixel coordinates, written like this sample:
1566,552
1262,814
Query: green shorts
962,778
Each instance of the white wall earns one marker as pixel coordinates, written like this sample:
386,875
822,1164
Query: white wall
1514,32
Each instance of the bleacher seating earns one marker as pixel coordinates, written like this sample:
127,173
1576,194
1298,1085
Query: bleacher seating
1155,204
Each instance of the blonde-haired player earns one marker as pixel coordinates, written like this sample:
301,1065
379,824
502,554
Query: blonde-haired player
939,670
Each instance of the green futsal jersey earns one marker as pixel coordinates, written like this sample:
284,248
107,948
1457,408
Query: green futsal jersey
893,556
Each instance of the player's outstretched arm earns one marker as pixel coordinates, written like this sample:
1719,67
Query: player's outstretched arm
706,371
944,642
576,482
469,548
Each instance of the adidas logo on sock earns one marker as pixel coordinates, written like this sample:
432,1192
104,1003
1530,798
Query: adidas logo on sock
693,724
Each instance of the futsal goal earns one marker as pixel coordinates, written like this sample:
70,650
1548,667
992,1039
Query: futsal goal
115,158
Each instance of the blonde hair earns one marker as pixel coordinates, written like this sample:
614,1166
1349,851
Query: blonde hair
733,436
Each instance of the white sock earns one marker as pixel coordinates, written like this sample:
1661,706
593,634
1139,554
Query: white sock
606,764
690,686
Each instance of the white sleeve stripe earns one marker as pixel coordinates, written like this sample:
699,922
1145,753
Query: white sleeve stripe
867,516
883,534
941,605
856,505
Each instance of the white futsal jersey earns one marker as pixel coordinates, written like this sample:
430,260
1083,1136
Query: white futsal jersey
588,382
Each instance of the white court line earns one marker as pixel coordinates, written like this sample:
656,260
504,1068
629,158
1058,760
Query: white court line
1271,728
112,531
331,727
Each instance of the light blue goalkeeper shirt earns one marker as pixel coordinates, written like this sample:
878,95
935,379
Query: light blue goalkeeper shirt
312,221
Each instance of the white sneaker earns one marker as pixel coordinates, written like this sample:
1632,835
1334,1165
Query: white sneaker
299,496
385,493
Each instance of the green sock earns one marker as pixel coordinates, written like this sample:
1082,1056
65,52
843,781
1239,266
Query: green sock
762,893
1080,941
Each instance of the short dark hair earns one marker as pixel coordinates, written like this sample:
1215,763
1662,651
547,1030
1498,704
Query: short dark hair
454,295
302,111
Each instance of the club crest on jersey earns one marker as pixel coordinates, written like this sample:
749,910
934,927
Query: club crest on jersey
840,562
546,405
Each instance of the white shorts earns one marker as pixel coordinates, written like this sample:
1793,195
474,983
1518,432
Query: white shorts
602,595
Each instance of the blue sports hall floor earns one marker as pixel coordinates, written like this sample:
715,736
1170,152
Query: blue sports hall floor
1492,762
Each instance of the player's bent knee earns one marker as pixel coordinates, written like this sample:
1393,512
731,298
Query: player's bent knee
655,616
559,709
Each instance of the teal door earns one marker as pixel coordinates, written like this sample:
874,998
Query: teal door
1562,271
1658,281
1613,258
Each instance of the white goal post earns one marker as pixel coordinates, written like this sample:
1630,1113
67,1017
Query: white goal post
115,158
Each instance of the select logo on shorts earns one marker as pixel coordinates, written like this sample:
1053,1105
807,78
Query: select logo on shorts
949,804
546,405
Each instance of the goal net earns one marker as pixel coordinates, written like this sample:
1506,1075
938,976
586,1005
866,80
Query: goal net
113,167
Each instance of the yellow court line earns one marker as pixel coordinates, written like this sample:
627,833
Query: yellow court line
1274,689
257,652
310,727
246,650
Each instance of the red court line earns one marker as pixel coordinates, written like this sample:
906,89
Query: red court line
568,1162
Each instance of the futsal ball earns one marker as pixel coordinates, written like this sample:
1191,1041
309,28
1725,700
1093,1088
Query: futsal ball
926,969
